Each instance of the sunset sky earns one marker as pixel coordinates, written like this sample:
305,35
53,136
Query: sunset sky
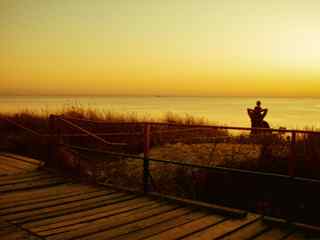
161,47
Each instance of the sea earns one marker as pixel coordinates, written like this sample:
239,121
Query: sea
291,113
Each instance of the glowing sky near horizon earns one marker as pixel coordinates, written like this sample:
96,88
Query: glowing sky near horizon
176,47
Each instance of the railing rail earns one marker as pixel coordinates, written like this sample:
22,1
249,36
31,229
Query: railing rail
95,136
199,126
134,157
147,133
26,129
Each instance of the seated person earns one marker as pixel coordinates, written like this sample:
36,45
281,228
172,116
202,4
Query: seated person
257,115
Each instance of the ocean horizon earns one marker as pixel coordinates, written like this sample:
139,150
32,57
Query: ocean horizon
288,112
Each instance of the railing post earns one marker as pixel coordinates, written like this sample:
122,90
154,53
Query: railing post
51,138
146,146
292,158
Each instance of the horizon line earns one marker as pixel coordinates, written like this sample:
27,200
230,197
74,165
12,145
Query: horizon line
151,95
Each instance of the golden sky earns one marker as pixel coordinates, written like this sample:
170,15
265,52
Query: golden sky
167,47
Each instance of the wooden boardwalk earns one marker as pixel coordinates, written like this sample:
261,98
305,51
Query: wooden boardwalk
37,204
11,164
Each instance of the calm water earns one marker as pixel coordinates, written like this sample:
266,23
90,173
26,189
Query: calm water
286,112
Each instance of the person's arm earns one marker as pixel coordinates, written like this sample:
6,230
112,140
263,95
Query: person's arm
264,112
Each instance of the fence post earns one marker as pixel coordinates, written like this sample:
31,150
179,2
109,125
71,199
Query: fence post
292,159
51,139
146,146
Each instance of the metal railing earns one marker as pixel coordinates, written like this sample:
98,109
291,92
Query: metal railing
147,136
56,134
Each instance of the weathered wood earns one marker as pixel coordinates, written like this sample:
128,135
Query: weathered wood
298,236
9,231
19,162
90,215
34,194
63,206
88,221
9,169
16,164
59,210
6,229
209,206
22,158
30,185
108,223
40,199
223,228
23,175
162,227
274,234
23,180
55,202
10,165
189,228
135,226
248,231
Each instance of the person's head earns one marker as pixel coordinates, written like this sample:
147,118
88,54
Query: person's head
258,103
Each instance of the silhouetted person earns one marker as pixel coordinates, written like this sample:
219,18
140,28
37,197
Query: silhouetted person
257,115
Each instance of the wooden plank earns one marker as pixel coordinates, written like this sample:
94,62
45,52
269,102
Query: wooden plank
301,235
4,172
18,167
208,206
22,158
55,202
28,179
63,210
296,236
18,163
18,160
248,231
38,193
161,227
135,226
189,228
23,175
15,165
89,215
9,231
60,207
88,221
30,185
274,234
108,223
9,169
4,168
223,228
46,198
17,235
4,230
